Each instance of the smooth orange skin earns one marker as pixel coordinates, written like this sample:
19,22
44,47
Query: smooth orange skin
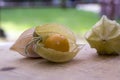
57,42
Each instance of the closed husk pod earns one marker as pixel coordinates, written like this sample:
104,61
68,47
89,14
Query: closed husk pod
55,37
105,36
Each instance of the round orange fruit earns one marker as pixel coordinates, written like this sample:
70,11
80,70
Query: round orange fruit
57,42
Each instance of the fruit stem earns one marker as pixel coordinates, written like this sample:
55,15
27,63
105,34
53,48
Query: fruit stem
34,40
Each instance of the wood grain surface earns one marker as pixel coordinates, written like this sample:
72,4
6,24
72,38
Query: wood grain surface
87,65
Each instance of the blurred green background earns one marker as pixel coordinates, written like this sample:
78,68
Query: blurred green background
17,16
19,19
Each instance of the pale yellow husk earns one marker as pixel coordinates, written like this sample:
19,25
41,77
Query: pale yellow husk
105,36
50,54
56,56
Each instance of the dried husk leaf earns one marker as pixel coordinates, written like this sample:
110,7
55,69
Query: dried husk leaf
105,36
50,54
24,39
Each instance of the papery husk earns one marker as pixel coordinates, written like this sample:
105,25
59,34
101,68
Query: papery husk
56,56
24,39
48,29
105,36
44,32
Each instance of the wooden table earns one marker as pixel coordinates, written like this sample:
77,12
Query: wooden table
87,65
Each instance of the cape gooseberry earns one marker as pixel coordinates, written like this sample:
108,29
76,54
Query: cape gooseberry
57,42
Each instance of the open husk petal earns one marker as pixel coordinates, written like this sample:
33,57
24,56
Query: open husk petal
50,54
